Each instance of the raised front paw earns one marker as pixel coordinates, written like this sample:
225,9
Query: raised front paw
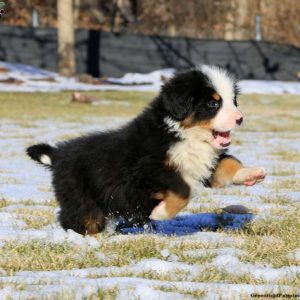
249,176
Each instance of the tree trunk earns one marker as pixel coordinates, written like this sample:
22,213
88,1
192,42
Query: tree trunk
240,19
66,37
171,18
76,13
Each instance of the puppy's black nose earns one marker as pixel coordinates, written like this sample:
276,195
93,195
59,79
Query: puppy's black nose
239,121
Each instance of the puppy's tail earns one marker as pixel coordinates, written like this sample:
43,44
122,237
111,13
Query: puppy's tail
42,153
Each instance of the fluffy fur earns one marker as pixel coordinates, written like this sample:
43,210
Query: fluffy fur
151,165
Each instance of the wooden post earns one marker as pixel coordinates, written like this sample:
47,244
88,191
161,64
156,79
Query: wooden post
66,38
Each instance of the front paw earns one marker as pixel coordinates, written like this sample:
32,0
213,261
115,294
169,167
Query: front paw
249,176
160,212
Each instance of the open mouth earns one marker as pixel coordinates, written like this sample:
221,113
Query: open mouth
221,139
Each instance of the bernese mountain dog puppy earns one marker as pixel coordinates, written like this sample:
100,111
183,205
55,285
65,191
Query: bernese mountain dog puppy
149,167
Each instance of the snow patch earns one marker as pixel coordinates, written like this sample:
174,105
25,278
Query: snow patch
234,266
31,79
165,267
295,255
145,292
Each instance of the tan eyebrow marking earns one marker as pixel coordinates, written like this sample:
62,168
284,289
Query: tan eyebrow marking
216,96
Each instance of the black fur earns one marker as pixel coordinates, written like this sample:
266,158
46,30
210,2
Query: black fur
189,92
116,172
36,151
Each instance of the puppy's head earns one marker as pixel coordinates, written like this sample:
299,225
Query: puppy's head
204,98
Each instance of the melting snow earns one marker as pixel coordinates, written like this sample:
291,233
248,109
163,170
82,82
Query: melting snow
30,79
21,181
234,266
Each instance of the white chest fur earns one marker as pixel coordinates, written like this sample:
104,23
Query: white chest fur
193,157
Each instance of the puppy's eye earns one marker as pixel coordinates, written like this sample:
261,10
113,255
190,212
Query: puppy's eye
213,104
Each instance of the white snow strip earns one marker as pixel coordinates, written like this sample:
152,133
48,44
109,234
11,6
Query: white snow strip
165,267
34,79
155,265
148,293
217,251
7,233
234,266
295,255
10,220
84,287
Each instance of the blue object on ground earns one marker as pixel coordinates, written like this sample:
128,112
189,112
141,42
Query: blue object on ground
188,224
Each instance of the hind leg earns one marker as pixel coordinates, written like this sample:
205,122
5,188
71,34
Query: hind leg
170,204
172,198
75,194
84,221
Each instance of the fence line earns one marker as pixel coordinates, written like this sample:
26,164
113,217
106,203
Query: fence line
103,53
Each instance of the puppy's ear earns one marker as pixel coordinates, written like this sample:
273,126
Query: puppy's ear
176,98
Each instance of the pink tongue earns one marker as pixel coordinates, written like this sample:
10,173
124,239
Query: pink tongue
222,138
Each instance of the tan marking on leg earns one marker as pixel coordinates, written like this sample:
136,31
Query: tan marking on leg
216,96
169,206
94,224
225,172
175,203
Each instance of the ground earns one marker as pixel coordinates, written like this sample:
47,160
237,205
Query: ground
39,260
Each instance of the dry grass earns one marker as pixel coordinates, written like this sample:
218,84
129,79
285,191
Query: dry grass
273,113
267,241
277,200
203,209
3,203
282,172
49,202
270,240
292,184
42,256
198,294
125,252
36,218
287,155
133,249
104,294
26,107
101,294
